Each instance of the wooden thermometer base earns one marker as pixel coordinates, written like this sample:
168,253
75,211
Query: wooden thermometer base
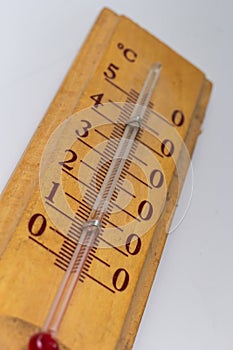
107,304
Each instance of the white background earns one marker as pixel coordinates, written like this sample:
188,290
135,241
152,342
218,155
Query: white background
191,302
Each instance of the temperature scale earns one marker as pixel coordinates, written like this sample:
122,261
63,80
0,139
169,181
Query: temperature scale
86,214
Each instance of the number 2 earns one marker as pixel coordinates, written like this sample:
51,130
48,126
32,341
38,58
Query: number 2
71,160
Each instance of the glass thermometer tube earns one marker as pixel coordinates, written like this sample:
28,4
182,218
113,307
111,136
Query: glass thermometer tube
92,227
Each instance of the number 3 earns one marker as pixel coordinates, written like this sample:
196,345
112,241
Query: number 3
85,128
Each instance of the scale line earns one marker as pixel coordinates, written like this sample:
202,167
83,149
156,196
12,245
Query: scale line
125,211
77,179
141,161
60,267
137,178
68,249
89,166
151,129
117,86
76,200
97,281
152,149
111,223
61,234
99,259
113,246
123,189
60,211
116,105
161,117
43,246
101,134
103,116
91,147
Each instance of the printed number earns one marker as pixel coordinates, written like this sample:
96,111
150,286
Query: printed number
37,224
97,98
145,210
53,191
120,280
156,178
178,117
111,71
133,244
73,158
86,126
167,148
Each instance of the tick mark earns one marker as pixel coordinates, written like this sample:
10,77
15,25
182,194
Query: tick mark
117,86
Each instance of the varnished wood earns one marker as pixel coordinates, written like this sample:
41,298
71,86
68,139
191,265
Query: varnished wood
96,318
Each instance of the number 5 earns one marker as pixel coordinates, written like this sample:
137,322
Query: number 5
111,74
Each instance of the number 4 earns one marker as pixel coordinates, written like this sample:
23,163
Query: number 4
97,98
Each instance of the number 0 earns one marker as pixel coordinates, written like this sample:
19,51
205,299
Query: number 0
145,210
37,224
124,276
131,247
167,148
178,117
156,178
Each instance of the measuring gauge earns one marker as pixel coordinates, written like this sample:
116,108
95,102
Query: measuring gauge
87,212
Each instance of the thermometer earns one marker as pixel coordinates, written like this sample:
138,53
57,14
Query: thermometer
87,212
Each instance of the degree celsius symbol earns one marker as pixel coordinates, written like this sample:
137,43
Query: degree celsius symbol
128,53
